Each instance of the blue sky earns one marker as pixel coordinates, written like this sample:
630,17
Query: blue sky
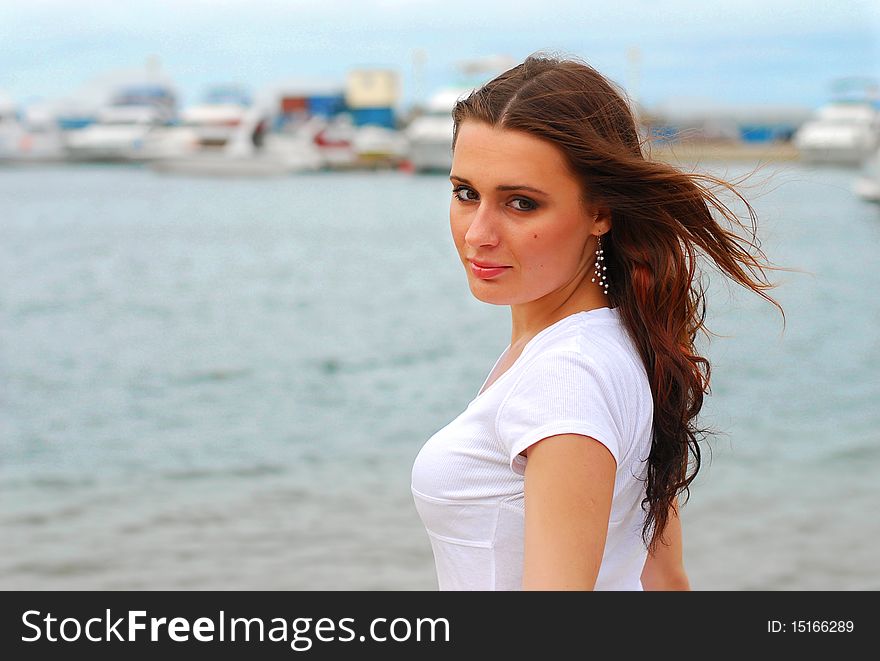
739,52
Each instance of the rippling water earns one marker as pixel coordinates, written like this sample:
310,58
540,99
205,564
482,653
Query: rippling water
222,384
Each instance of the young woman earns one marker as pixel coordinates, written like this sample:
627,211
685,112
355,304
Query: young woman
564,471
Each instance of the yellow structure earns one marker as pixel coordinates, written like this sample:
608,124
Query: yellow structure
372,88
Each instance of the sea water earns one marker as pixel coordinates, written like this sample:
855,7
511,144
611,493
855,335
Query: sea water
222,383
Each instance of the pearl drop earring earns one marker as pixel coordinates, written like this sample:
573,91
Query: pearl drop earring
599,273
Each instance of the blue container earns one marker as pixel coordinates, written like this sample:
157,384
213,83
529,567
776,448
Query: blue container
72,123
326,106
663,135
374,116
767,132
757,133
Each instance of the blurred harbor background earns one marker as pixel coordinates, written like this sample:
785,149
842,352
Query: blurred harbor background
228,324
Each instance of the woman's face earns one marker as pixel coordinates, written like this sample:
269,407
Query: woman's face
516,206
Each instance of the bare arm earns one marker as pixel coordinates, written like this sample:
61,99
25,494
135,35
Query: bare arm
664,568
569,482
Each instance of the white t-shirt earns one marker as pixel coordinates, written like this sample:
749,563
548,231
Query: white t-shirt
581,375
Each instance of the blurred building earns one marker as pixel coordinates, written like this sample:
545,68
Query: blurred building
294,101
701,121
372,96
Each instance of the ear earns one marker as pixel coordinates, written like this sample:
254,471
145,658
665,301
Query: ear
602,221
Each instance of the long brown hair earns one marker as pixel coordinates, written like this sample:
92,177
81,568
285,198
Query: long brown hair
662,219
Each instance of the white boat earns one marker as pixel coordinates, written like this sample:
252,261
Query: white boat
429,136
123,128
867,186
334,139
216,119
343,145
43,140
208,124
29,135
280,156
379,145
868,189
845,131
11,129
252,150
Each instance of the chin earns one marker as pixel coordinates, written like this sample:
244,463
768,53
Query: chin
484,293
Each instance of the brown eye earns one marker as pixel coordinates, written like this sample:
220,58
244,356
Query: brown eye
531,205
459,189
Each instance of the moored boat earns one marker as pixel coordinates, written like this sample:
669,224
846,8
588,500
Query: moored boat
867,186
123,128
429,136
845,131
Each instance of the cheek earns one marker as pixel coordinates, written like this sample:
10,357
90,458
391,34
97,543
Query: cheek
458,228
550,250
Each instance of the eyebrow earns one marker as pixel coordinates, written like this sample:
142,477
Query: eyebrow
501,188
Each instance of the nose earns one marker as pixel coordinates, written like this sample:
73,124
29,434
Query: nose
482,230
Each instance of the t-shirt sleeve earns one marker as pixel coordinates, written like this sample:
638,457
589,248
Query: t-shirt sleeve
560,392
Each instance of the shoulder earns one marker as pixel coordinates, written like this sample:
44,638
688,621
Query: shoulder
595,346
584,366
561,391
607,344
557,378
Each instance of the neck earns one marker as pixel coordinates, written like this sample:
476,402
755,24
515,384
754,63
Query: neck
529,319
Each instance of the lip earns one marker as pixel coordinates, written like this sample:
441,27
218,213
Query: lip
486,265
486,271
